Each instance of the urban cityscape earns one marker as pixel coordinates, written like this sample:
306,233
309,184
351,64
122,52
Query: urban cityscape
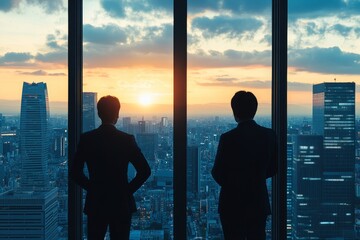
323,177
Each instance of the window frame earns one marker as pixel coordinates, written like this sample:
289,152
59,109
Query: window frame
279,114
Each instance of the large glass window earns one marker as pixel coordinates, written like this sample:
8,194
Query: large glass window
127,52
33,120
229,49
323,150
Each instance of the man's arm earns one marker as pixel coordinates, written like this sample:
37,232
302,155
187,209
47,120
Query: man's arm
77,168
142,168
217,171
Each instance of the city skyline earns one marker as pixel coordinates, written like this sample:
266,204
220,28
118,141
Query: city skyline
154,137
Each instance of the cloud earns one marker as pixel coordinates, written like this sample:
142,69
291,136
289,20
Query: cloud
50,6
58,49
341,29
229,58
230,26
15,58
200,6
234,82
106,34
154,49
52,42
115,8
53,57
7,5
155,4
248,6
41,73
227,81
321,8
324,60
298,86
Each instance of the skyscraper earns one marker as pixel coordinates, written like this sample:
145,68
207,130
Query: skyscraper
289,176
34,139
29,215
148,143
307,174
193,170
127,125
89,111
334,119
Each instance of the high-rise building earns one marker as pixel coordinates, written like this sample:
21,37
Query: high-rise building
306,194
148,144
89,111
289,176
59,142
34,138
126,124
193,170
334,119
1,121
142,126
29,215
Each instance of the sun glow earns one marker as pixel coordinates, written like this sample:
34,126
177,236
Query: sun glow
145,99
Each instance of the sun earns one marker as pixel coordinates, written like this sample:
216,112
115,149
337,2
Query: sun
145,99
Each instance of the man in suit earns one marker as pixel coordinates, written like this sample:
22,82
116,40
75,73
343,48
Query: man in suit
107,153
245,158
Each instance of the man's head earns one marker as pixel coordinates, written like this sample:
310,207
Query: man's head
244,106
108,109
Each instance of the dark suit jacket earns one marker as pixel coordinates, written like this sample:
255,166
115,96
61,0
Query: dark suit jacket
107,153
245,158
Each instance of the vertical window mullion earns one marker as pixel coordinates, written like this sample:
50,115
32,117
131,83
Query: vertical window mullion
279,113
74,112
180,117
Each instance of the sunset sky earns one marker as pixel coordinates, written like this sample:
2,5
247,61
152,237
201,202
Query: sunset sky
128,51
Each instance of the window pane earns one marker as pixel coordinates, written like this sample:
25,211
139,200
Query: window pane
128,54
323,67
33,120
229,49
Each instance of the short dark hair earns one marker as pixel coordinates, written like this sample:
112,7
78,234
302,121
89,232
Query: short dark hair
244,105
108,108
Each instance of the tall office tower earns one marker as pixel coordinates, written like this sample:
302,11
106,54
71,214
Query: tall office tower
307,164
142,126
1,146
164,122
59,143
29,215
148,143
34,139
334,119
289,176
163,126
193,170
89,111
1,142
127,124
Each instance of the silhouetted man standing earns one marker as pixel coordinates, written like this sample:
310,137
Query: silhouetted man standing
245,158
107,153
